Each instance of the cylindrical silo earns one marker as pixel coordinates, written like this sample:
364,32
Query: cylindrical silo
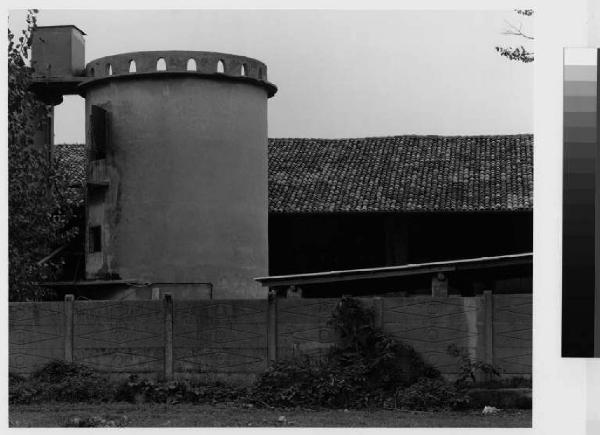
177,174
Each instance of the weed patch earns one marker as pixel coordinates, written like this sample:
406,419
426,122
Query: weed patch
366,368
61,382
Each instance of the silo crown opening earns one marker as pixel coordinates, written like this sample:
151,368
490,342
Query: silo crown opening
191,65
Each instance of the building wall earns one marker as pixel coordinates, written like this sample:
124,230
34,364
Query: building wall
186,198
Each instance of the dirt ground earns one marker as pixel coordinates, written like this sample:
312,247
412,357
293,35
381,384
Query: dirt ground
187,415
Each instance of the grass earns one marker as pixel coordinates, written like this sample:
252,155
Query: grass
186,415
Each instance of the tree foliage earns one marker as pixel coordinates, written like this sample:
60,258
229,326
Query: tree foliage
518,53
39,205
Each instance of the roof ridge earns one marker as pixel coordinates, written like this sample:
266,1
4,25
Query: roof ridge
428,136
407,136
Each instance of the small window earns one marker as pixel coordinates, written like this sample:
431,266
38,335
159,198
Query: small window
260,73
92,72
161,64
191,65
243,70
220,67
132,67
95,239
109,70
98,132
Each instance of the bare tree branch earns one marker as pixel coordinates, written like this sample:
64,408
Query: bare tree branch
520,54
516,31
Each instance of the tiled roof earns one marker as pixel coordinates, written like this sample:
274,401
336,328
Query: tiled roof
394,174
71,158
401,173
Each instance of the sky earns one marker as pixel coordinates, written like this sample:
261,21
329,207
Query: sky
340,73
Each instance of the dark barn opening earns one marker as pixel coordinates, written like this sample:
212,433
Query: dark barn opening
303,243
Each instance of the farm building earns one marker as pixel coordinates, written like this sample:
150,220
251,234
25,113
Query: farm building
376,203
184,192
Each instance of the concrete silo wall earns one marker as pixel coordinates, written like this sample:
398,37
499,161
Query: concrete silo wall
186,172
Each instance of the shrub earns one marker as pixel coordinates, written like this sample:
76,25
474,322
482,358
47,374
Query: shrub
59,371
303,382
365,368
429,394
139,390
62,382
20,391
472,371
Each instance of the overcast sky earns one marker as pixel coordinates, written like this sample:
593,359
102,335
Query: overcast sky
339,73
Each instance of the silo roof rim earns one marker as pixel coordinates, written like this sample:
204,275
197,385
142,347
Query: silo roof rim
91,81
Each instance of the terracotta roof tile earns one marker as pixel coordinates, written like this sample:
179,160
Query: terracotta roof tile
401,173
71,158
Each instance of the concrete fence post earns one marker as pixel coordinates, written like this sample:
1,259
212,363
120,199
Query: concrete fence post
168,312
69,301
488,303
439,285
272,327
378,306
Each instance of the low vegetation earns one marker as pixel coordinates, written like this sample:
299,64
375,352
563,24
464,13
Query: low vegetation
366,368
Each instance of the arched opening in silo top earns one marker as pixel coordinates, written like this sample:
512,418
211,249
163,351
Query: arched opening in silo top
260,73
109,70
132,67
191,65
161,64
243,70
220,66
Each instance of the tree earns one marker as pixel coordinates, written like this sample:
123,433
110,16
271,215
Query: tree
520,53
40,206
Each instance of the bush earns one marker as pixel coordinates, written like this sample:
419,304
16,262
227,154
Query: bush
67,382
472,371
364,369
303,382
430,394
20,391
139,390
58,371
61,382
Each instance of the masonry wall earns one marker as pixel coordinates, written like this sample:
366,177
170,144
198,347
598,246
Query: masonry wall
237,339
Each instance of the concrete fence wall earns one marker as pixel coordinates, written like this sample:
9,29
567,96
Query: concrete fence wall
237,339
